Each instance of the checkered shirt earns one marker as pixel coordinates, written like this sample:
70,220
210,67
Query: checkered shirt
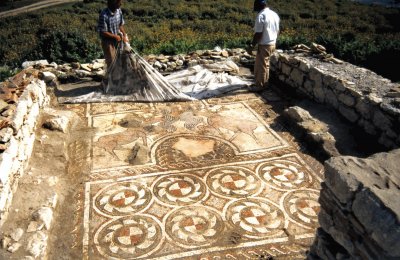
109,22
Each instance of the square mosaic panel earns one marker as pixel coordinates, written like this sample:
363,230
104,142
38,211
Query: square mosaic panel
178,128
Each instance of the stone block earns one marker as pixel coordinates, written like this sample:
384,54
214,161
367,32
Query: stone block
29,145
298,114
374,99
304,66
391,134
274,60
16,166
319,94
379,221
340,86
346,99
5,198
5,134
26,131
6,162
32,116
316,75
19,115
286,69
355,92
391,106
282,78
386,141
21,156
37,244
340,180
308,86
283,58
364,108
297,76
26,96
368,127
329,80
349,113
380,120
12,149
27,64
325,220
331,99
343,239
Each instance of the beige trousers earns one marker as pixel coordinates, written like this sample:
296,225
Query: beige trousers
109,50
261,65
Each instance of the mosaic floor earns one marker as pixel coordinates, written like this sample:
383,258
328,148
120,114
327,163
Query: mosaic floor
211,179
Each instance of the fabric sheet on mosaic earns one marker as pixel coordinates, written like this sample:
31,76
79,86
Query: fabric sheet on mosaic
131,78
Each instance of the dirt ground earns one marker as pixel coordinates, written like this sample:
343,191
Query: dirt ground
222,177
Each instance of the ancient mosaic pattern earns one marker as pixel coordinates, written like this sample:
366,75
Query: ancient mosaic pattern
214,208
206,179
171,132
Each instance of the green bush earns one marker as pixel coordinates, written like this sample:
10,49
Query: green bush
61,46
361,34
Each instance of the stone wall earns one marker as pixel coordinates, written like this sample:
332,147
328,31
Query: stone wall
360,211
17,137
360,95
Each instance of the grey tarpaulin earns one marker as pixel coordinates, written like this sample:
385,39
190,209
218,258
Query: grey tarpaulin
131,78
131,75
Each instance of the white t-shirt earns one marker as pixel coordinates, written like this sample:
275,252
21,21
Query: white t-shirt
267,22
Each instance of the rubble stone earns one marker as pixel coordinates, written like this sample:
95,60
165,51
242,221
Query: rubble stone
37,244
44,215
17,234
359,207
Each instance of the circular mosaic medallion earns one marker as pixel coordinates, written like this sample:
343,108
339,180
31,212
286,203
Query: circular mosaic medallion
256,217
122,199
194,226
302,207
179,189
283,174
128,237
233,182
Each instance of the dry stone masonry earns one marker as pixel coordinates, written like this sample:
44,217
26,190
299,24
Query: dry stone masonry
360,211
360,95
21,97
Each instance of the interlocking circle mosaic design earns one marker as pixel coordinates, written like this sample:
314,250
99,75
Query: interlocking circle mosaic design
194,226
233,182
302,207
283,175
122,199
179,189
128,237
256,217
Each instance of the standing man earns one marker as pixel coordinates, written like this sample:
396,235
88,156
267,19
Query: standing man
111,29
266,31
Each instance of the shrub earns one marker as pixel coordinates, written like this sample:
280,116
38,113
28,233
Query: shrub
69,46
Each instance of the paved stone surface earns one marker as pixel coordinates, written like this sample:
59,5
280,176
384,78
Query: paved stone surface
204,179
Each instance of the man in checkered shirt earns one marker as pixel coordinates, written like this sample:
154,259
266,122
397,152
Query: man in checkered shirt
111,29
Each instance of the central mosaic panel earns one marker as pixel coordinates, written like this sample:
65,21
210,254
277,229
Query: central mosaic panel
189,132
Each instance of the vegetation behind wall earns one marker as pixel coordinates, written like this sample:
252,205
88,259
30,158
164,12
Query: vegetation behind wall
364,35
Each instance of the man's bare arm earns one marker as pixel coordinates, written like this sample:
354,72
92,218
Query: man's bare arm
112,36
256,38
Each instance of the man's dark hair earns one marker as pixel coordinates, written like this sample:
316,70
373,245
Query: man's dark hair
259,5
111,2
